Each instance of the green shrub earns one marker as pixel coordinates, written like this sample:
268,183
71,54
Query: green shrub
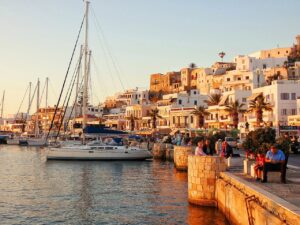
260,139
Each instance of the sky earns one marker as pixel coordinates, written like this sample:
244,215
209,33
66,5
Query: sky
131,39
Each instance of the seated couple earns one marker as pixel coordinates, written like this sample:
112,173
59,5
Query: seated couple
273,161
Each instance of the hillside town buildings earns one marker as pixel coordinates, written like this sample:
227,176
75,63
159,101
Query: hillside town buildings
273,74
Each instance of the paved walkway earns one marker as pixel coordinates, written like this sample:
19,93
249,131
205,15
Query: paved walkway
289,191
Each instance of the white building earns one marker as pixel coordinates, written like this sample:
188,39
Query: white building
282,95
186,99
248,63
133,96
242,80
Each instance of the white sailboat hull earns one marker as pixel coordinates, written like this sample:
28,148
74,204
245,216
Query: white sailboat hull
96,154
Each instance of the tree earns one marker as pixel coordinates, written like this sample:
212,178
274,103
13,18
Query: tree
260,139
154,115
201,112
213,99
234,109
132,120
259,105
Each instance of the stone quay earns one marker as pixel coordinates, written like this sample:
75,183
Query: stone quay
181,154
203,172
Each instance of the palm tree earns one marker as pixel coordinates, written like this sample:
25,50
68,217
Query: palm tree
234,109
213,99
132,120
154,115
201,112
258,105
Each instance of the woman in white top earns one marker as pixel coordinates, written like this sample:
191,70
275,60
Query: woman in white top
199,149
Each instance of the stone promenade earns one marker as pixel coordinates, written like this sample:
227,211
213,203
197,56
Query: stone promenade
289,191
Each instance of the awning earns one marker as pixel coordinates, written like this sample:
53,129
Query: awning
223,100
254,96
164,131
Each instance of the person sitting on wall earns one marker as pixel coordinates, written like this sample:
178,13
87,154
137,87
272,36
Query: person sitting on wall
259,165
274,161
199,149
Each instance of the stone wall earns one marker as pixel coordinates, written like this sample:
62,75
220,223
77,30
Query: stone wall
169,152
244,203
203,172
159,151
181,156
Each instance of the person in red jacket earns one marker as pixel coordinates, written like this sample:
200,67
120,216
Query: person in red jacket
259,165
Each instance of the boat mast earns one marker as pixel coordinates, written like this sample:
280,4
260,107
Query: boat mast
77,84
29,100
46,103
2,104
85,85
37,109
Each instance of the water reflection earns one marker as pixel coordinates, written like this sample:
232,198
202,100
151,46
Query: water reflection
85,201
34,191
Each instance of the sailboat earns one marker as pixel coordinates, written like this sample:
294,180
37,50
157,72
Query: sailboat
95,151
37,140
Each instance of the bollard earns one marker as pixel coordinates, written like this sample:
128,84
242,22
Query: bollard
202,174
181,156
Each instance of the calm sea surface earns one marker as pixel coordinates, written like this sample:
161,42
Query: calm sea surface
34,191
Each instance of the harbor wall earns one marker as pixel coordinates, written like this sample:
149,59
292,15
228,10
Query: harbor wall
239,200
181,154
163,151
244,203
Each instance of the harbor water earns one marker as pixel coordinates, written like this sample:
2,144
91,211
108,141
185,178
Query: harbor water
36,191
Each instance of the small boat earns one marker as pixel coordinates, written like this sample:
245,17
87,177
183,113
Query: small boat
13,141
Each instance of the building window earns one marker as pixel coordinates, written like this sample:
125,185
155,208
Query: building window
278,53
284,96
195,92
269,55
174,120
283,112
247,77
264,66
195,102
244,99
293,96
294,111
192,119
228,79
239,78
179,101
